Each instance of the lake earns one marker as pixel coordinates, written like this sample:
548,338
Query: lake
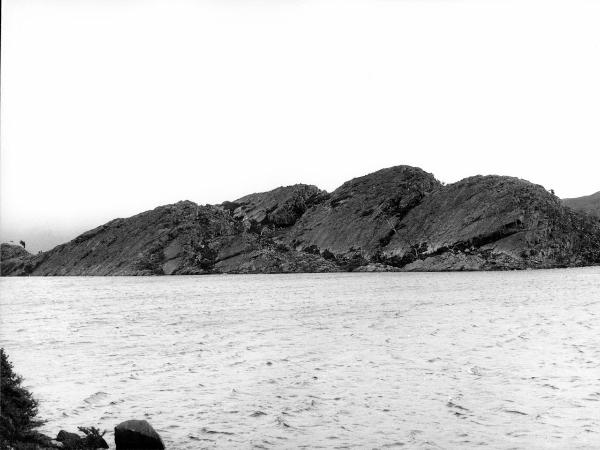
382,360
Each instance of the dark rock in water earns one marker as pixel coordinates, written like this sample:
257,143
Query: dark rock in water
137,434
70,440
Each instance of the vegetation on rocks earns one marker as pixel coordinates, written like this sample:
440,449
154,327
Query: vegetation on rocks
19,419
18,410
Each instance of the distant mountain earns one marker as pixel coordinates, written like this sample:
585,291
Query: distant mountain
589,204
400,218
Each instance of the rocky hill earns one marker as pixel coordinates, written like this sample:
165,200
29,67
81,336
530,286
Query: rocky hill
493,222
400,218
9,251
589,204
12,258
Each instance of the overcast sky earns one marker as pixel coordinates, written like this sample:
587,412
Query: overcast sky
110,108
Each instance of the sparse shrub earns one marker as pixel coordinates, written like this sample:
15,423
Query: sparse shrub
93,438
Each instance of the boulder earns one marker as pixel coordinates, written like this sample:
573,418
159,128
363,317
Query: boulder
137,434
69,440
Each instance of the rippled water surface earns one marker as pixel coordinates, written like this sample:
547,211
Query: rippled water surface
447,360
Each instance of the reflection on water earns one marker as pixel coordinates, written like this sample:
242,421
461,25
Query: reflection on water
455,360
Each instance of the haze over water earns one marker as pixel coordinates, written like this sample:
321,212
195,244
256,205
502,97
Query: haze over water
424,360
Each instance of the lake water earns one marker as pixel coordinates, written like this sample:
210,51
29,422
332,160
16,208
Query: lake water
439,360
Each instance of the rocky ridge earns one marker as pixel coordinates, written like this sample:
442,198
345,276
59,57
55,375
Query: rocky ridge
589,204
400,218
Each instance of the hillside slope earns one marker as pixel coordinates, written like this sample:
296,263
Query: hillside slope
491,222
589,204
400,218
359,215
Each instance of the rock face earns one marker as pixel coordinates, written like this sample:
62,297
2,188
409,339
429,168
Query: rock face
280,207
12,259
589,204
400,218
358,216
492,222
137,434
10,251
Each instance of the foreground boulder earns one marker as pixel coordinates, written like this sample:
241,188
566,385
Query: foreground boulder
137,434
69,440
72,441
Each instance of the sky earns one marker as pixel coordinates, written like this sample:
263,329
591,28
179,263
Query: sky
110,108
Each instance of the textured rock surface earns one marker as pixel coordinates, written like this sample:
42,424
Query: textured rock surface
589,204
179,239
69,440
492,222
280,207
12,259
400,218
360,215
137,434
9,251
169,239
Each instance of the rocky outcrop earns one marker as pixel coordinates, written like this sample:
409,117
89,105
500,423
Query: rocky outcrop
400,218
492,222
359,216
590,204
281,207
179,239
13,259
137,434
10,251
167,240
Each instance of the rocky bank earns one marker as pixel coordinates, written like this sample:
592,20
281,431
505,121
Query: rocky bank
399,218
